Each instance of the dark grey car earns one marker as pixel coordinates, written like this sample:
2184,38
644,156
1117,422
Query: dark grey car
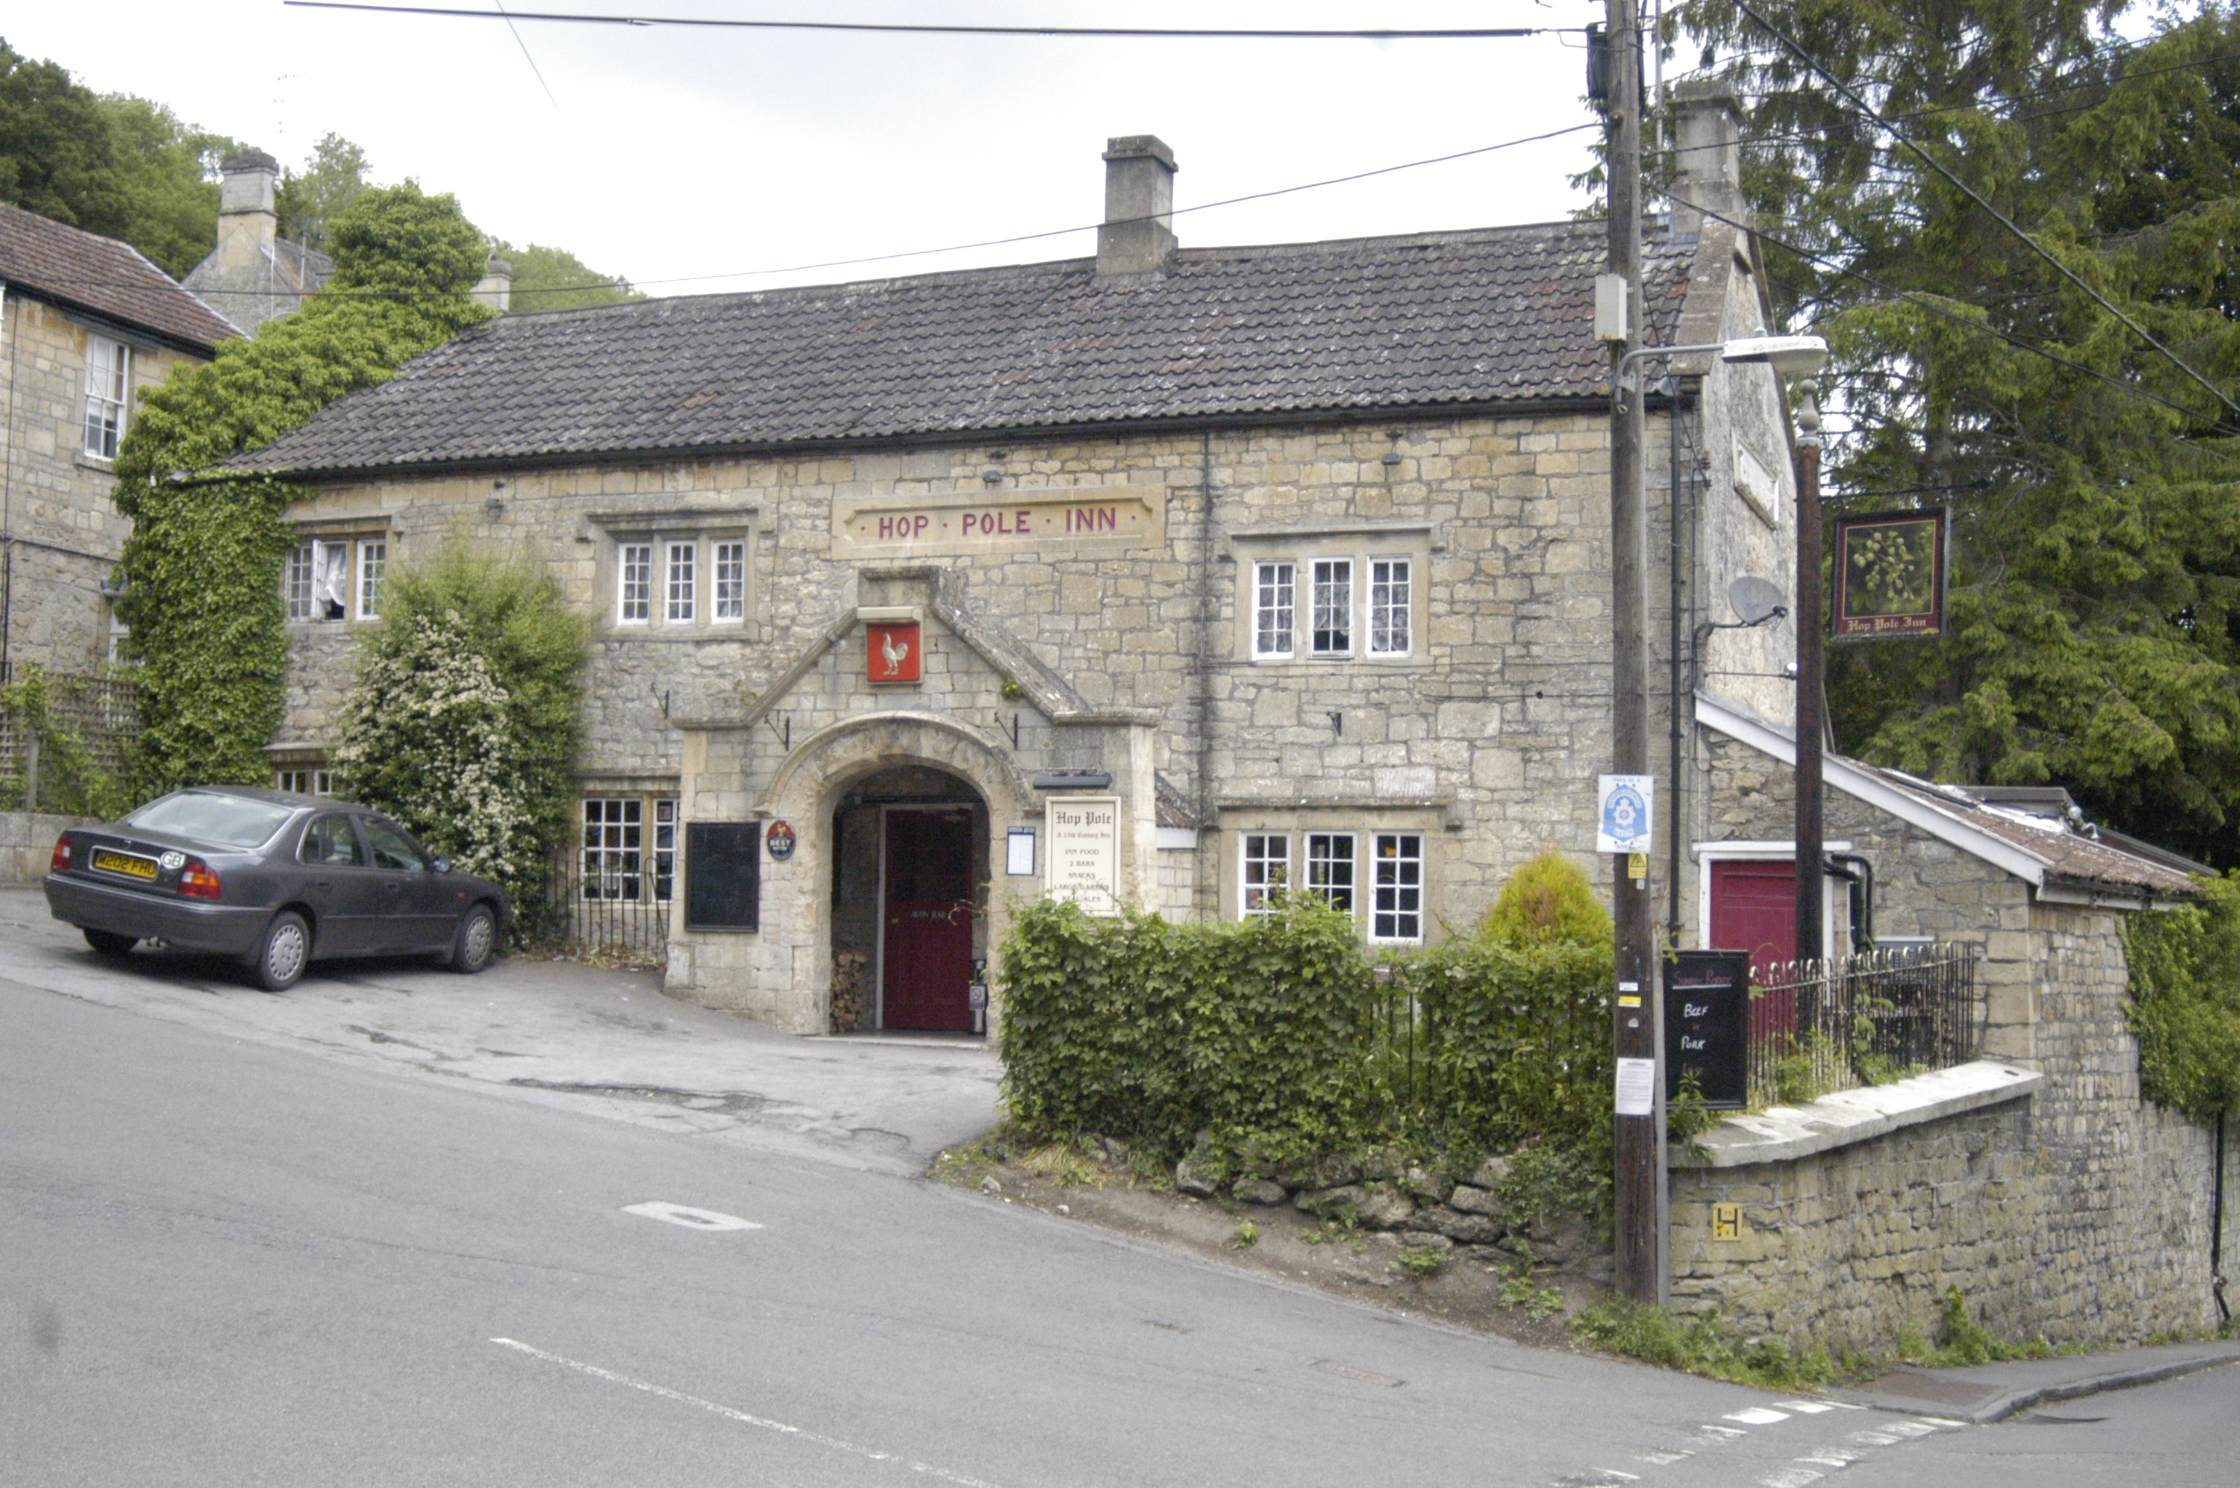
275,879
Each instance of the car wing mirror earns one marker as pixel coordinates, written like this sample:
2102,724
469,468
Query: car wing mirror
442,865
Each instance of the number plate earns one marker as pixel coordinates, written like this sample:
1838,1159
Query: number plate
125,863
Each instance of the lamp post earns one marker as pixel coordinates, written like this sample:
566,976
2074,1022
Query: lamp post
1637,1013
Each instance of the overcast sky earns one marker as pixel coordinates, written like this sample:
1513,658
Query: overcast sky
684,158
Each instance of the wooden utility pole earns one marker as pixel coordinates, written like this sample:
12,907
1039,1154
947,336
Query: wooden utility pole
1639,1264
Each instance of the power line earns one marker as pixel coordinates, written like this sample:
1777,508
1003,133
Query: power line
1501,33
1993,212
524,45
1055,232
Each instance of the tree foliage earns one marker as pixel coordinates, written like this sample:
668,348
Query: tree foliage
2095,484
555,279
202,565
2185,1001
115,165
466,714
1547,901
307,201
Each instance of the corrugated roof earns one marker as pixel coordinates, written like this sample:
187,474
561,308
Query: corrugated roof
84,271
1500,315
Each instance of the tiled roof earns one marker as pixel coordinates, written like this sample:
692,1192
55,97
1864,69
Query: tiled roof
2071,851
1488,317
85,272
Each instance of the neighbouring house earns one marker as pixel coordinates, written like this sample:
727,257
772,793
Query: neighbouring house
253,274
1160,578
88,324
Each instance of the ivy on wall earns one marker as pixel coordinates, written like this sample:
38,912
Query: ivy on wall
2185,1001
466,715
201,570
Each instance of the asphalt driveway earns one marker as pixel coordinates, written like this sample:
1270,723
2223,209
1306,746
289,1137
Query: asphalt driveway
554,1032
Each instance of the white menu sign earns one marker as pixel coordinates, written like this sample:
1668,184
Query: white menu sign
1083,852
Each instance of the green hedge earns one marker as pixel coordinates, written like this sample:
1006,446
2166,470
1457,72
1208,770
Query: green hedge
1279,1034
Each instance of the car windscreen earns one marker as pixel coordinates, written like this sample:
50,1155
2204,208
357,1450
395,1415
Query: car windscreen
229,821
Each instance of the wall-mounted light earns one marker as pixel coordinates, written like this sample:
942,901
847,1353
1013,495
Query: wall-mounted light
494,504
1392,456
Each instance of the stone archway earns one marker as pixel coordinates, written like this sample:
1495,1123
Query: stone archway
842,783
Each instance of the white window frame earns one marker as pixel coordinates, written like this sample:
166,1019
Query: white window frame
108,396
334,571
1263,869
633,583
1390,605
680,580
728,570
1275,609
306,780
1330,619
373,558
628,848
1328,858
1396,888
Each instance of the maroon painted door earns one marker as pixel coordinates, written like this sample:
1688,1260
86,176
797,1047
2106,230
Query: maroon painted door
926,966
1754,909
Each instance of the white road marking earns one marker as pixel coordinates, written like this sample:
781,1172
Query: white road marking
1720,1433
1805,1407
1874,1439
1795,1477
1910,1428
1756,1415
689,1217
740,1416
1831,1457
1943,1423
1663,1459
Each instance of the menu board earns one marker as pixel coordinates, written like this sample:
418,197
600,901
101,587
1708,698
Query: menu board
1707,1025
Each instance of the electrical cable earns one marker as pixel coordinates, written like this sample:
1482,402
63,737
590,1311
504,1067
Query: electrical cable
1055,232
1503,33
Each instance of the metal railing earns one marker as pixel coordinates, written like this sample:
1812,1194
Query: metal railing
597,904
1822,1026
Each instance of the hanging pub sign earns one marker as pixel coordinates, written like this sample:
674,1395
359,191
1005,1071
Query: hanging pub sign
1707,1026
1891,571
891,651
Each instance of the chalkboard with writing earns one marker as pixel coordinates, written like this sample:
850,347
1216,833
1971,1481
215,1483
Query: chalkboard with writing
1707,1025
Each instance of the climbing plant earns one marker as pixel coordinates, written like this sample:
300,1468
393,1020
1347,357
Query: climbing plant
465,716
201,570
2185,1000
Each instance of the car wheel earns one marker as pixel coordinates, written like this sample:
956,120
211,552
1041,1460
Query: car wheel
109,943
476,942
283,953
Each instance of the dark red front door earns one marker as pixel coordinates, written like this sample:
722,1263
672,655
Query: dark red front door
1754,909
926,968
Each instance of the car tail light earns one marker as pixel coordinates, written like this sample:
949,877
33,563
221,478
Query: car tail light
196,881
61,854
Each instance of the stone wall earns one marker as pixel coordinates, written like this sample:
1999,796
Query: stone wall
27,844
2102,1195
67,536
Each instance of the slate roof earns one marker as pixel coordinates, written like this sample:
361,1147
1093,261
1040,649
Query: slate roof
83,271
2071,849
1466,319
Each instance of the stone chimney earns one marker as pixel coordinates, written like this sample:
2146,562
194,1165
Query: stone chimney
495,287
1706,169
1137,236
247,224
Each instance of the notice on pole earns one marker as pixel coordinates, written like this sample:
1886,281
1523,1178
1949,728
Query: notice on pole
1637,1087
1622,820
1084,854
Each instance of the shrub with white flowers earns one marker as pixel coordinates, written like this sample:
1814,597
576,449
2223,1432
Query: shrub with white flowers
466,714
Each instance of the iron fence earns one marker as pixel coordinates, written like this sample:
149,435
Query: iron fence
1820,1026
609,905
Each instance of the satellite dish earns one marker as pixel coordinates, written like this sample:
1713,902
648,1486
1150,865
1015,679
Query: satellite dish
1754,599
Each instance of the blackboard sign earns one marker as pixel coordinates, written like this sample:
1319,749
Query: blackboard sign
1707,1025
722,875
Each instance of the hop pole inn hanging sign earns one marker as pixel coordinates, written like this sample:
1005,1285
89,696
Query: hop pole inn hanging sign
1891,573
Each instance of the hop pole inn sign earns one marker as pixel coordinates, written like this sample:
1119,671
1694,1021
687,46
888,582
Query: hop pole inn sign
1095,519
1084,833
